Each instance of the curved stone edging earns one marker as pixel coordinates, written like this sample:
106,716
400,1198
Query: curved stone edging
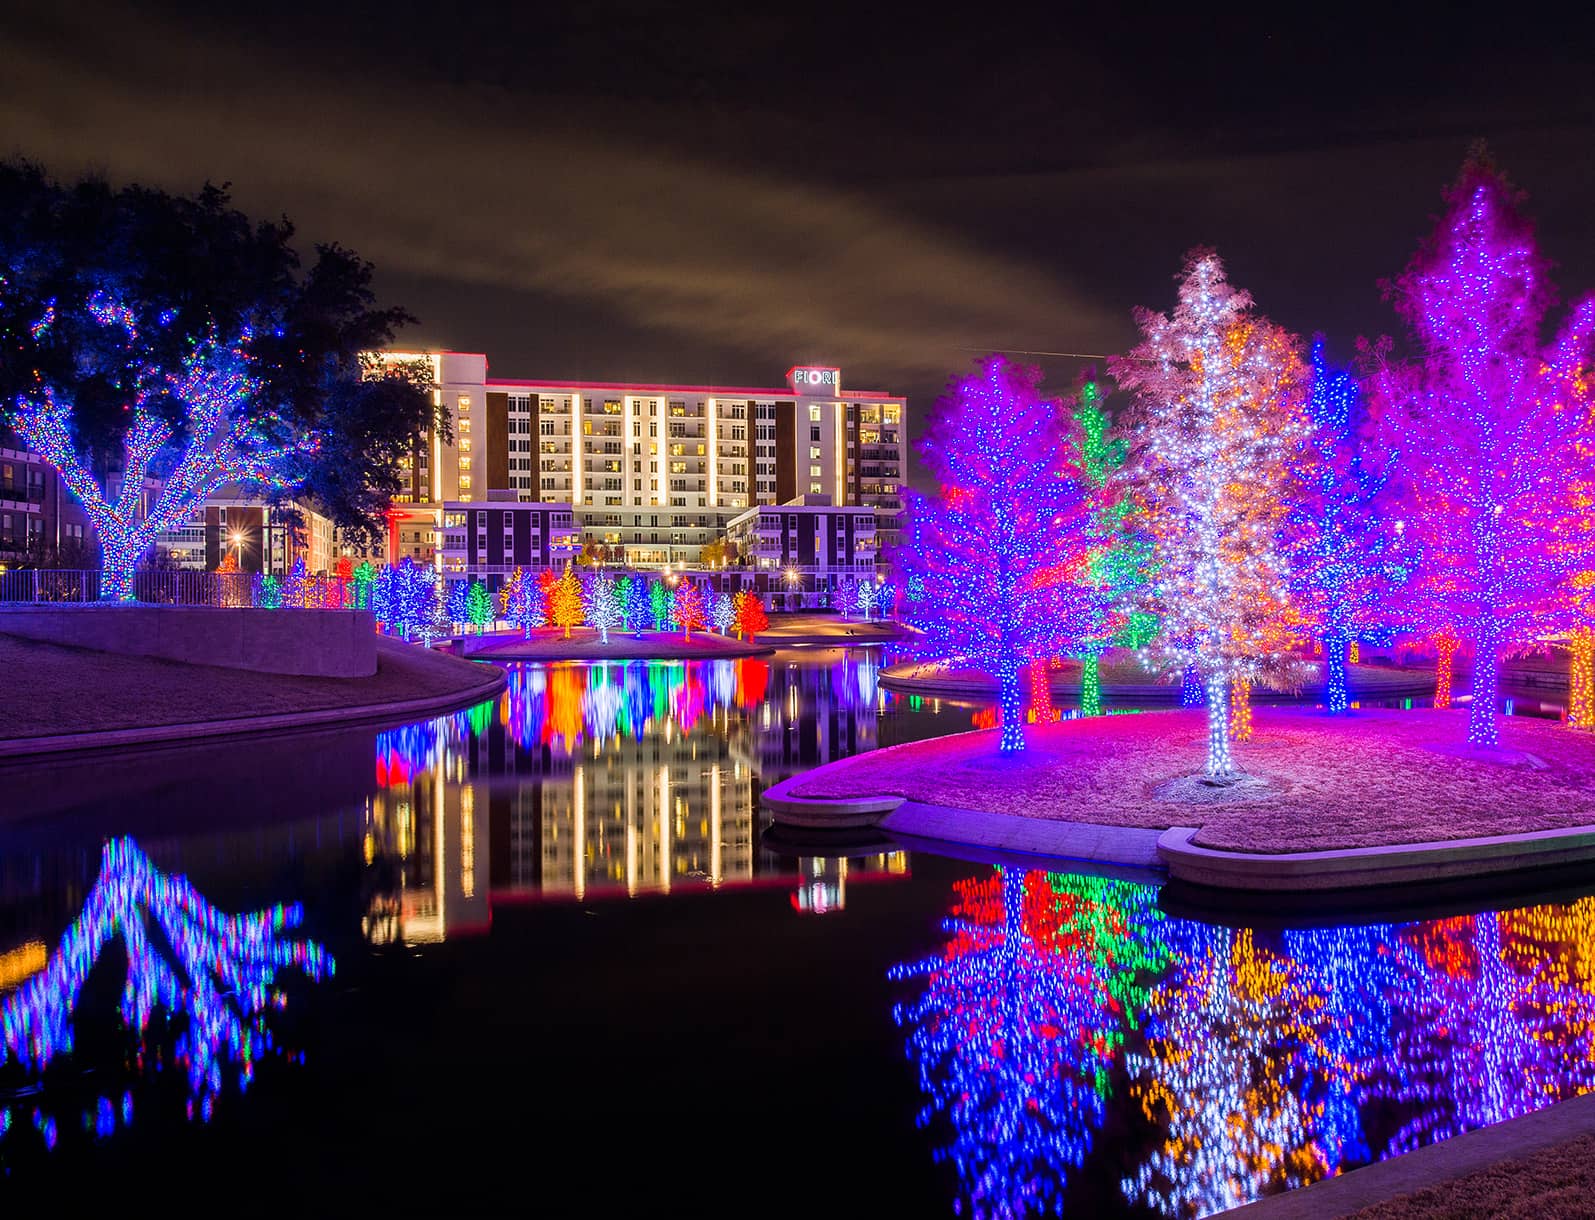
23,747
1371,867
813,814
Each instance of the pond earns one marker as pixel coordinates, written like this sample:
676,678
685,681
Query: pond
543,955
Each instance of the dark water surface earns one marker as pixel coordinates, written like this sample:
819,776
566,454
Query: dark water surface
539,957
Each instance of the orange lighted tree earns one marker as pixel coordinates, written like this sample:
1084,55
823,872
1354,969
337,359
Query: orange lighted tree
565,602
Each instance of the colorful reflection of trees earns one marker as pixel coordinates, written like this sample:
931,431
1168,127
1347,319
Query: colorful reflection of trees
215,973
1022,1018
1259,1062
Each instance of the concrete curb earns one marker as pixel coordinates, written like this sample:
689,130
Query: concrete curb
1370,867
1124,847
814,814
1457,1157
27,747
1119,846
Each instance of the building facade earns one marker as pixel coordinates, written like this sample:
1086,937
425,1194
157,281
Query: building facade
656,472
257,537
812,543
39,519
496,535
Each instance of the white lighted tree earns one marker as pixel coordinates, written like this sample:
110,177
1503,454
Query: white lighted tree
1218,415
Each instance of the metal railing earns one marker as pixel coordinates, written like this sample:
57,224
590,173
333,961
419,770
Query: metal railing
180,587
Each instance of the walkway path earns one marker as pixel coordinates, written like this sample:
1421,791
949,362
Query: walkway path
57,698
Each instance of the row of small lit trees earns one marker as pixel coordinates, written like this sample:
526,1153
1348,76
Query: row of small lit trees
1255,494
407,599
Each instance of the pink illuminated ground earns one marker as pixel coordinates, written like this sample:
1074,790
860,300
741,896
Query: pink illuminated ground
1315,783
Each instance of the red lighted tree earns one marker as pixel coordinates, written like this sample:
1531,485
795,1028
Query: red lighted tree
749,615
1494,430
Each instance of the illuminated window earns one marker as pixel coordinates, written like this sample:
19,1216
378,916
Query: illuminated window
814,414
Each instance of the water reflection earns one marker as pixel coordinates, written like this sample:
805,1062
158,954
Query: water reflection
214,975
1255,1062
590,780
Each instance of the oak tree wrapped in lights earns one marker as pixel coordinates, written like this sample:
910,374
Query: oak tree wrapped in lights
1219,413
1495,430
990,544
1346,538
225,436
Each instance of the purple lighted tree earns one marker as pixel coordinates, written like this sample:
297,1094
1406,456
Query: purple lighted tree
1346,550
1493,428
1217,424
995,546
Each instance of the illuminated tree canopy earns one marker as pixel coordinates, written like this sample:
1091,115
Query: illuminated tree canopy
1494,428
1219,414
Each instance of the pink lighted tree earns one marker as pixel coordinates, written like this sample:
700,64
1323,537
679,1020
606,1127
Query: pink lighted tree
1494,430
1003,548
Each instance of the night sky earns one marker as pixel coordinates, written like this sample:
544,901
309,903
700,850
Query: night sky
635,190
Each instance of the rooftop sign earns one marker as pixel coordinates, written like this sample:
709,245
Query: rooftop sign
814,379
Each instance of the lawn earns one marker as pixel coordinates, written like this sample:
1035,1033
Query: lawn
1313,782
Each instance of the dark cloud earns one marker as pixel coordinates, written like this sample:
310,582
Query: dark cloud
634,189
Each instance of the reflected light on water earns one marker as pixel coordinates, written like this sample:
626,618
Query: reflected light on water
213,974
1256,1062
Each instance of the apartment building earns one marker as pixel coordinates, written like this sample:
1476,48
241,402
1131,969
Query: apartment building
496,535
656,472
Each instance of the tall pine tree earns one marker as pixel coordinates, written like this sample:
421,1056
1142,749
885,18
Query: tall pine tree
1218,416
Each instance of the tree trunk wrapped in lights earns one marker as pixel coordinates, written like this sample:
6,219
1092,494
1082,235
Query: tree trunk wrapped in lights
1042,710
1003,547
1218,421
1445,645
1240,710
1493,429
1581,701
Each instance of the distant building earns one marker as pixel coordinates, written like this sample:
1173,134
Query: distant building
259,537
806,546
496,535
655,472
40,522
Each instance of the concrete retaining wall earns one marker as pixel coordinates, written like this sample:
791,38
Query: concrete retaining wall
318,643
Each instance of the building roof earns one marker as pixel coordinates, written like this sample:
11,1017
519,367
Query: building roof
640,389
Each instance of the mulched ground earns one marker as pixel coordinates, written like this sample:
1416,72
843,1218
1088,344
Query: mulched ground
50,689
1315,783
1555,1184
